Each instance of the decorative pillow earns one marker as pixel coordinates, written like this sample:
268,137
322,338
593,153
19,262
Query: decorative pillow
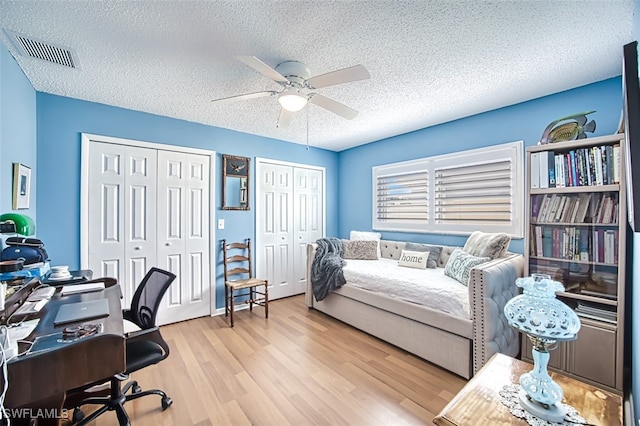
367,236
414,259
487,245
359,249
434,252
460,264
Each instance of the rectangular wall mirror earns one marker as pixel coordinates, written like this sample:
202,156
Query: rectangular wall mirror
235,182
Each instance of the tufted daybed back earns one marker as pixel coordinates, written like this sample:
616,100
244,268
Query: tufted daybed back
393,250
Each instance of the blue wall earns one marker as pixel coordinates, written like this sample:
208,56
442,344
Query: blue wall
524,121
17,130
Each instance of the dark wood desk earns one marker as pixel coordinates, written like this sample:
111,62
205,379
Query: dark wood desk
35,377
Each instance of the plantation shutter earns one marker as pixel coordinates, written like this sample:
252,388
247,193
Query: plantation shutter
403,197
478,194
480,189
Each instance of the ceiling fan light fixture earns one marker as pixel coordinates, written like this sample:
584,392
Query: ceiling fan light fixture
292,100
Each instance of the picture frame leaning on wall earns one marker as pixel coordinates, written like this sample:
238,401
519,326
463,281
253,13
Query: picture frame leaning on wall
21,186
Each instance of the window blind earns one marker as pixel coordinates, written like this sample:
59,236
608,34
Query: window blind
403,197
475,193
480,189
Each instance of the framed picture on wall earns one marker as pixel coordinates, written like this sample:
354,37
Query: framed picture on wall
21,186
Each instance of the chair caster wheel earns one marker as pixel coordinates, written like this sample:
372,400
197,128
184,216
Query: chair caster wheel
78,415
136,389
166,402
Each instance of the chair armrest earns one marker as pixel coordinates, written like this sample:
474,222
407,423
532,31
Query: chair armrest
149,334
127,314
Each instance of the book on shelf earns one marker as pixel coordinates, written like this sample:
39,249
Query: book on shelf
575,243
596,165
576,208
535,170
547,241
551,159
560,208
598,312
568,208
608,296
616,163
543,169
559,171
547,169
536,203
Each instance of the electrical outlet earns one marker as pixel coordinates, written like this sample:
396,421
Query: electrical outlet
220,223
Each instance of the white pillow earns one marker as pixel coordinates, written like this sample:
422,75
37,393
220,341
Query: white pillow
367,236
414,259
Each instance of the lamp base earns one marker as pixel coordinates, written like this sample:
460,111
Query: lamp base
551,413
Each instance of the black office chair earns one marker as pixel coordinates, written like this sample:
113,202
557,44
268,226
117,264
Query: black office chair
144,347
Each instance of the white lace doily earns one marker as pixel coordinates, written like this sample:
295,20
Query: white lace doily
509,397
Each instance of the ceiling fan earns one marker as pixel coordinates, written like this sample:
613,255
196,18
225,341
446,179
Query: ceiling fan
297,87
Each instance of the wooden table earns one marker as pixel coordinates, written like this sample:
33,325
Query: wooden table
479,403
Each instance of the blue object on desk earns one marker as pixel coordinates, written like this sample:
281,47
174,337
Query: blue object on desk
26,273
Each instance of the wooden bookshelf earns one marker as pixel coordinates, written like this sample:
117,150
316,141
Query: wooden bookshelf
576,223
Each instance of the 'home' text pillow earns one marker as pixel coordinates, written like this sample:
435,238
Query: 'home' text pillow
434,252
414,259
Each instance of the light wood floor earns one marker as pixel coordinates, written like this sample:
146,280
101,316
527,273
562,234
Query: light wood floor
299,367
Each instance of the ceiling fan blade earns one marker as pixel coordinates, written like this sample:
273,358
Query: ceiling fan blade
345,75
285,118
231,99
333,106
262,68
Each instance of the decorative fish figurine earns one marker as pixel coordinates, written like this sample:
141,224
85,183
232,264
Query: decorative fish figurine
568,128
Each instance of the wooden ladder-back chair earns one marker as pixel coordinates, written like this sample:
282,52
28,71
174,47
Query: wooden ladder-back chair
238,275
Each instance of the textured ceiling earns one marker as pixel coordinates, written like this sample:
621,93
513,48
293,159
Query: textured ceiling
430,61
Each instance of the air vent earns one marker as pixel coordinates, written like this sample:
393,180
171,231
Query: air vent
28,46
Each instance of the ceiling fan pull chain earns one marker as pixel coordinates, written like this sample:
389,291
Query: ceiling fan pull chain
307,127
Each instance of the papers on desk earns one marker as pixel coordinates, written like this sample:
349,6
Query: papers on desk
81,288
23,330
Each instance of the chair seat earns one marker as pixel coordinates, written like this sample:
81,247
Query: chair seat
143,353
251,282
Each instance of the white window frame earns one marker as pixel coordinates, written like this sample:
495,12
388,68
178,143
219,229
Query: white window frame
508,154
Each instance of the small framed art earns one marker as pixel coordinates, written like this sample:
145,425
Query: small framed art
21,186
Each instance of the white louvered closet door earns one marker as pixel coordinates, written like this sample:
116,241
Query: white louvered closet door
308,208
273,248
150,207
122,238
289,214
183,233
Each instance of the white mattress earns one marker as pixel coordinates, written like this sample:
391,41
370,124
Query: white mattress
428,287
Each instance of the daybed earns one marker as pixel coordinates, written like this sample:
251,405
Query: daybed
460,343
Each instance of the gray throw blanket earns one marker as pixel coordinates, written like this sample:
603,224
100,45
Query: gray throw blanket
326,269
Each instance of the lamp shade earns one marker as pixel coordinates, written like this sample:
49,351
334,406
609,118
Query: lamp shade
292,100
538,313
24,224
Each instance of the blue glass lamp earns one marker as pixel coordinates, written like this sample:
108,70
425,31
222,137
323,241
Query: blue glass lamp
546,320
